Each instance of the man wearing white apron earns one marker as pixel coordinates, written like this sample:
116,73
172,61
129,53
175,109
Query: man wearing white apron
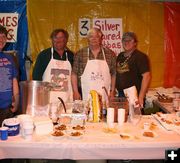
94,68
54,65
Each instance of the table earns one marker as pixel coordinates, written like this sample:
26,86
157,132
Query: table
95,144
166,107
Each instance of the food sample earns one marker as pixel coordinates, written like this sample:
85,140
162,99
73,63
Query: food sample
124,136
110,130
78,127
168,121
148,134
61,127
159,114
58,133
152,126
76,133
177,123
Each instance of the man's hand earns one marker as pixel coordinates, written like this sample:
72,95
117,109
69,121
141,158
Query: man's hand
13,109
76,96
141,101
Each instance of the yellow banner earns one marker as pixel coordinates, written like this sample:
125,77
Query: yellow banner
142,17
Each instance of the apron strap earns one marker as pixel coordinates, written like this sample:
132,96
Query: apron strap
52,51
88,53
66,56
103,53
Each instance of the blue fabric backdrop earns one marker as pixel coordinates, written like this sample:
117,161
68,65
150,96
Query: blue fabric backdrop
18,6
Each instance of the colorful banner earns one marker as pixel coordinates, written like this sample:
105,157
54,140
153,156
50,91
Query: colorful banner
145,18
172,42
18,40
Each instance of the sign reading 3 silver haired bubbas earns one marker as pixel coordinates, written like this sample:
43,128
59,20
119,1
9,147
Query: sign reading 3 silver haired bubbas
110,27
10,22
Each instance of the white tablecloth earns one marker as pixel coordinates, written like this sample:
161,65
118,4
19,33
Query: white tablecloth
95,144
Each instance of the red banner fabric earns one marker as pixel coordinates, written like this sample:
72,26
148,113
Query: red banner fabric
172,44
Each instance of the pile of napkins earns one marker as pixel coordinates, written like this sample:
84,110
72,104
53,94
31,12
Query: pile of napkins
43,125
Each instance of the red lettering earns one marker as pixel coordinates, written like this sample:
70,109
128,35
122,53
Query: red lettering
14,21
119,45
111,27
8,20
10,35
105,26
112,45
116,47
96,23
118,37
113,37
2,22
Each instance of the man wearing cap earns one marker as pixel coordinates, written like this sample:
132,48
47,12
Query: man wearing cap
133,68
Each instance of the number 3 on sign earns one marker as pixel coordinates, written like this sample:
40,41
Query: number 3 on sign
84,26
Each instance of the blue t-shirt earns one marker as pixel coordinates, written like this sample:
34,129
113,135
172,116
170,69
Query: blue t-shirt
8,71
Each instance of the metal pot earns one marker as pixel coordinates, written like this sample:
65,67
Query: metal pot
34,94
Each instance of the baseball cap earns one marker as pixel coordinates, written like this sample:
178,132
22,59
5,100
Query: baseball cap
129,36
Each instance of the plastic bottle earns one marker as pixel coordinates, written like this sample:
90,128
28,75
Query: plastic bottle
104,111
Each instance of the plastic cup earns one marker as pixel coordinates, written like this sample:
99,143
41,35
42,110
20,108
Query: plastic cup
28,132
121,116
4,133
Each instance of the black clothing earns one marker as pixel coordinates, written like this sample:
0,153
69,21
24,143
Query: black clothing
130,70
43,59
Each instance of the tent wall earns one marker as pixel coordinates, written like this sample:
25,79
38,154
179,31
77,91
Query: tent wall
145,18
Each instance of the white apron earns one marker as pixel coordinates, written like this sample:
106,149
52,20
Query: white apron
58,72
95,76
